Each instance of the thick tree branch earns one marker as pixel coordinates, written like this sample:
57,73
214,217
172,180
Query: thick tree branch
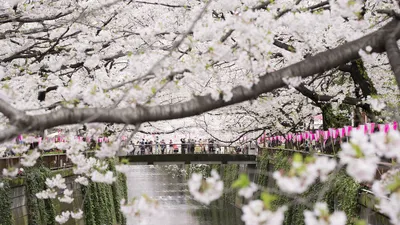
312,65
9,111
164,132
42,94
282,45
262,5
24,19
315,97
163,4
393,53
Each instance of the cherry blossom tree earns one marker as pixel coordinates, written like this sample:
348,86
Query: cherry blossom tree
238,66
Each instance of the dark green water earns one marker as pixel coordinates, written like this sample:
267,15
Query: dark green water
177,207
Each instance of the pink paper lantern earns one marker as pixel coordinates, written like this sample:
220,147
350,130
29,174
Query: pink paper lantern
326,135
387,127
342,132
370,127
299,137
348,130
317,135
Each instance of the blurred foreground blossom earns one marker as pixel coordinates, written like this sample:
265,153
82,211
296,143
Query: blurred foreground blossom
206,190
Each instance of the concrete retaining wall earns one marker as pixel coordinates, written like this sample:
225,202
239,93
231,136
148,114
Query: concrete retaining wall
19,208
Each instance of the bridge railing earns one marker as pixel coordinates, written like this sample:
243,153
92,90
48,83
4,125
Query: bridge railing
382,166
191,148
53,161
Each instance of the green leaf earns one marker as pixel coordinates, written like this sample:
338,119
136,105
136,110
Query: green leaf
395,185
351,2
359,153
242,181
93,91
124,161
267,199
163,81
309,159
360,222
129,54
153,90
297,157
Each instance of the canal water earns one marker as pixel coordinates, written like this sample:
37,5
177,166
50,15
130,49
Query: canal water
177,207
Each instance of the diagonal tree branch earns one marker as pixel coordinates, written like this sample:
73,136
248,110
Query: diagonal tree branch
393,53
315,97
9,111
37,19
199,104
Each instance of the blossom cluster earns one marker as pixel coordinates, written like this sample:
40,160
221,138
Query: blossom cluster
257,213
142,207
304,173
362,153
320,215
65,216
387,192
206,190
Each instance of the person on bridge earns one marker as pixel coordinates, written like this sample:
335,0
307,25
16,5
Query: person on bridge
183,146
202,146
171,146
142,147
151,147
163,146
211,148
238,150
192,145
176,149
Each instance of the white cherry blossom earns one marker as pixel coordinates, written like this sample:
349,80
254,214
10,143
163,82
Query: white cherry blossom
387,192
77,215
360,157
142,207
57,181
10,172
255,213
248,191
46,194
302,175
19,149
66,199
108,150
206,190
82,180
29,159
321,216
107,177
63,218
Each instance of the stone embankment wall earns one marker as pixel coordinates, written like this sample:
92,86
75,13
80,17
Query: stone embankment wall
341,192
99,202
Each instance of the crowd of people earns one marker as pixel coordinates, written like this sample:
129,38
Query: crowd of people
188,146
146,146
185,146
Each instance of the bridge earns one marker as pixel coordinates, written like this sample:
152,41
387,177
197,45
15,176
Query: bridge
190,159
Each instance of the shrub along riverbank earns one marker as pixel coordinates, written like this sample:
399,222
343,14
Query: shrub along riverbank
99,202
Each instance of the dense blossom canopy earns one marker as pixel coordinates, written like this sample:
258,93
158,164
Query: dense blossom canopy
138,54
224,67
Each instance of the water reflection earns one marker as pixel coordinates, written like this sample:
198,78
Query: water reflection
178,207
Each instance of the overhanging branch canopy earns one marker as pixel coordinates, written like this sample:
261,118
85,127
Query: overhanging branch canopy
197,105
